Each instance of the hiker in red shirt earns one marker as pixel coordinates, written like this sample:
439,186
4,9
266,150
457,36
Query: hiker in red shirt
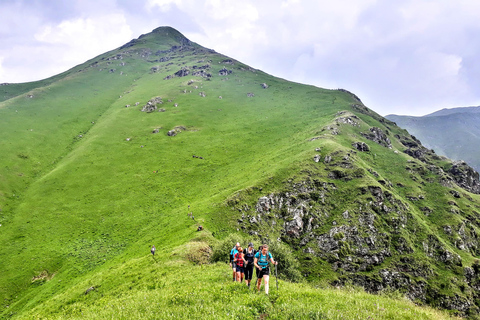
240,263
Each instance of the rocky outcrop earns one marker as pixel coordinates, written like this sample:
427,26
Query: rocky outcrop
361,146
182,72
151,105
465,176
224,72
377,135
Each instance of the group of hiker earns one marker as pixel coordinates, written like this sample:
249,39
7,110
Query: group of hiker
243,261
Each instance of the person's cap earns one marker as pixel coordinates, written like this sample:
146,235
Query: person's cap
250,244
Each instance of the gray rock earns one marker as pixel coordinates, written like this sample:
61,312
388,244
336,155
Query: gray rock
465,176
378,136
361,146
224,72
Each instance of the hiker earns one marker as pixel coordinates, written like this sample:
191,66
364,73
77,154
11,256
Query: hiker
200,228
249,256
257,271
233,252
239,260
262,258
153,250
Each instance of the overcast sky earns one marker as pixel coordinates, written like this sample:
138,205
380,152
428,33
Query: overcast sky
403,56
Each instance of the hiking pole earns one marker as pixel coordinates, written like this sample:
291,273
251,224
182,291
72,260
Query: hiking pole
276,277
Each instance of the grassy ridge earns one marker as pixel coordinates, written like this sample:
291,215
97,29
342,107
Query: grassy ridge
87,194
86,187
170,287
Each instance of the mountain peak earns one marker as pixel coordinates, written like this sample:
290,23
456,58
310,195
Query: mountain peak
163,36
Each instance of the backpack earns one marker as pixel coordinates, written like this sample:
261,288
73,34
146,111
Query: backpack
249,256
262,260
232,253
239,261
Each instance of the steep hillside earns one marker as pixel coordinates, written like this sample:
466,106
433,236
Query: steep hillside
120,153
453,133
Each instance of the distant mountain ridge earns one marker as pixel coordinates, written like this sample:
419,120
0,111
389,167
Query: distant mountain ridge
454,133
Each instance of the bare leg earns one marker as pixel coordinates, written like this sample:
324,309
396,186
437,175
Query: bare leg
259,283
266,278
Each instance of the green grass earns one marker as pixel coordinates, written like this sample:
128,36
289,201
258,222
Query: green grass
86,188
169,287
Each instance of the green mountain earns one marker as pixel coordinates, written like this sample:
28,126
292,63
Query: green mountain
450,132
142,145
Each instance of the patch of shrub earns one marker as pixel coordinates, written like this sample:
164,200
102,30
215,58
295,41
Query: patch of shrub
221,249
288,265
198,252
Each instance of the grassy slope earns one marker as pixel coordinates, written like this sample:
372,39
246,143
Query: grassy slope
83,211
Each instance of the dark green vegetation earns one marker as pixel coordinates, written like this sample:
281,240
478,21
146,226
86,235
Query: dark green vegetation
453,133
89,181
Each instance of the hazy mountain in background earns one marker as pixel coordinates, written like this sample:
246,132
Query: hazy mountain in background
454,133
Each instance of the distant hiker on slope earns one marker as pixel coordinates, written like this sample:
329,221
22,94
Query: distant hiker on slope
249,256
240,263
233,252
261,261
153,250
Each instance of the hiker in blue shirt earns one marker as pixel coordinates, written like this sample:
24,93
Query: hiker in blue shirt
262,258
233,252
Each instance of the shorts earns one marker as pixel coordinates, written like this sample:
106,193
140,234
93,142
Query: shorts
249,272
263,272
240,269
234,265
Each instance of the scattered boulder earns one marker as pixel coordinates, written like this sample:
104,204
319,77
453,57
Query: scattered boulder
316,158
250,95
182,72
90,290
264,85
175,131
352,120
361,146
152,104
156,130
224,72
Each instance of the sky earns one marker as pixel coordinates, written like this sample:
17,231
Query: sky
408,57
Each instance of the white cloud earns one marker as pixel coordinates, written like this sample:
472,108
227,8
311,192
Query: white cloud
163,5
92,36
